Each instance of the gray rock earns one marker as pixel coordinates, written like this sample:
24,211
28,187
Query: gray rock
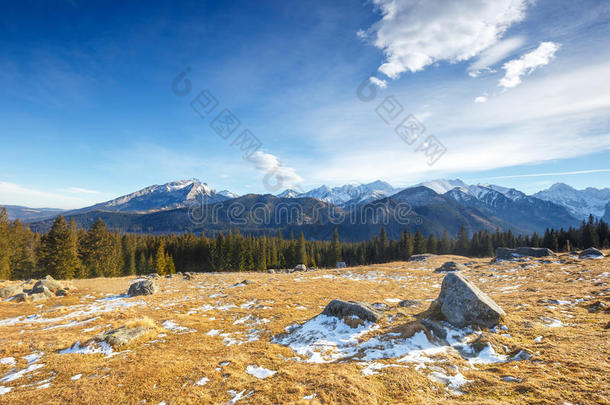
145,287
341,309
48,283
461,303
503,253
409,303
124,335
420,258
590,252
23,297
61,293
341,265
271,271
451,266
300,267
188,276
10,290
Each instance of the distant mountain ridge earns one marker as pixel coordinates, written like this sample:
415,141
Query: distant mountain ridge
173,195
30,214
581,203
432,207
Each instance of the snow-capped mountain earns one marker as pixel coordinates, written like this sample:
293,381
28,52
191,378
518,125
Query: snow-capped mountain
347,195
228,194
176,194
581,203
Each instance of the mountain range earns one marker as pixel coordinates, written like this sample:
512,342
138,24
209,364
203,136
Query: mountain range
358,210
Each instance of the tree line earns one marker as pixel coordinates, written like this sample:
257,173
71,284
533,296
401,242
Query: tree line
67,252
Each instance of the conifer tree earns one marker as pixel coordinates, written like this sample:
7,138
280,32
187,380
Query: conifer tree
59,251
302,250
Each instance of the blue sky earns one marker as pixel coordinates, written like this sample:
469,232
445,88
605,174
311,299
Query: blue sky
517,92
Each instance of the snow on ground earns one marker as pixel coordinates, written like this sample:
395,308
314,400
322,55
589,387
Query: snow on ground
171,325
92,348
14,375
259,372
8,360
202,381
237,396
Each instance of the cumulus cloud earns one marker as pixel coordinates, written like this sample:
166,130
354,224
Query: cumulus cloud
270,164
481,99
527,63
414,34
378,82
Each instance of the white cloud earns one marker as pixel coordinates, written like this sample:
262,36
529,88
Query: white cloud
494,54
414,34
518,127
269,164
80,190
527,63
378,82
15,194
481,99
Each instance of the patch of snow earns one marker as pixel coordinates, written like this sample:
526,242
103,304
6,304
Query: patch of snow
454,383
18,374
202,381
76,377
5,390
259,372
237,396
8,360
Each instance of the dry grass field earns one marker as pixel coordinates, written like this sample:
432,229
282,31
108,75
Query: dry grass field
214,339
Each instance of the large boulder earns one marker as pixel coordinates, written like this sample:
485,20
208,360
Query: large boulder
590,252
342,309
462,304
125,335
48,282
451,266
144,287
10,290
300,267
503,253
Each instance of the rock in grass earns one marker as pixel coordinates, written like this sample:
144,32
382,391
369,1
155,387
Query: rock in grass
420,258
409,303
22,297
145,287
503,253
300,267
48,282
342,309
461,303
10,290
590,252
125,335
451,266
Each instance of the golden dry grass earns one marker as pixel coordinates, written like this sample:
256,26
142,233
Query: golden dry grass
570,363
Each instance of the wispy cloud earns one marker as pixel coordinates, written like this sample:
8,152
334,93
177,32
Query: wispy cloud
80,190
570,173
16,194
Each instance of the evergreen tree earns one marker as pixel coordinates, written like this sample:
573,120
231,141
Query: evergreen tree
5,246
302,250
99,252
335,249
59,251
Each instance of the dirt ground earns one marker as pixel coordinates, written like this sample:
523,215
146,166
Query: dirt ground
214,341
